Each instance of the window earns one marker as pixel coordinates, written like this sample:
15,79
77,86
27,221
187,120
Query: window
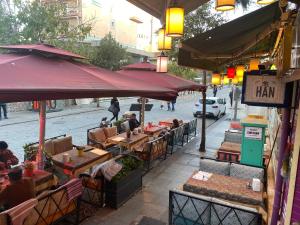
220,101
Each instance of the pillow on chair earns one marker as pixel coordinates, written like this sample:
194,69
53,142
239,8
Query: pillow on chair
212,166
62,144
98,135
246,172
110,131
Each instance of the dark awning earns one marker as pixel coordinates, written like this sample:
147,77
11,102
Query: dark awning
235,39
157,7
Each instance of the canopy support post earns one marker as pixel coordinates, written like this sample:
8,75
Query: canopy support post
203,128
143,113
42,121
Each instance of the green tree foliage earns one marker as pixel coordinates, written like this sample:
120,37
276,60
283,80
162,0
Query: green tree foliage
34,22
109,54
182,71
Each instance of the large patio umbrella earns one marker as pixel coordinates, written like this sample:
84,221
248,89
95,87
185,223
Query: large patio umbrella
146,72
40,72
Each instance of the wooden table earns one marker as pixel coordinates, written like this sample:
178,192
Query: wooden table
43,180
80,164
123,141
154,131
224,187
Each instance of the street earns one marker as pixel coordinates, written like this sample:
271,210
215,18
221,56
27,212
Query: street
76,124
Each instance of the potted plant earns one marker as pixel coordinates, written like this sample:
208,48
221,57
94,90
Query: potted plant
29,152
127,182
28,169
118,124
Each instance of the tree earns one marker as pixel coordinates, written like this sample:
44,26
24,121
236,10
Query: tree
109,54
182,71
34,22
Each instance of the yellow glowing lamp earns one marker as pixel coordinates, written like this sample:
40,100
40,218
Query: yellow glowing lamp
225,80
164,42
240,79
273,67
254,63
216,78
235,80
240,69
265,2
174,21
225,5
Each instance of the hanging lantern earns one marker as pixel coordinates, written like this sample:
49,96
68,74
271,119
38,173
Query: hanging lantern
254,63
240,69
265,2
174,21
164,42
235,80
162,63
216,78
230,72
273,67
225,80
225,5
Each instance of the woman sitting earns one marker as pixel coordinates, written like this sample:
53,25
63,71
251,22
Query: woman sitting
7,158
175,124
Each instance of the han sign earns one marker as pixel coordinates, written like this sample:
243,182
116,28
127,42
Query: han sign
263,90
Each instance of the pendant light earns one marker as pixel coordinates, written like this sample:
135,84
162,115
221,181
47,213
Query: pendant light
164,42
216,78
230,72
162,63
235,80
254,63
174,21
225,5
240,69
225,80
265,2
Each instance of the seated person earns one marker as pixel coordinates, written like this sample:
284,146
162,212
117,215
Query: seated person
175,124
19,190
7,158
133,122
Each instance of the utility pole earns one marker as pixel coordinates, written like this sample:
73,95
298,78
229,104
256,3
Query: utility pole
203,131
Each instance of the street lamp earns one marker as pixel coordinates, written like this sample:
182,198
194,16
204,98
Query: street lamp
174,21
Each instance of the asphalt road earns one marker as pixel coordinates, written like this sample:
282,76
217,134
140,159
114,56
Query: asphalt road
16,135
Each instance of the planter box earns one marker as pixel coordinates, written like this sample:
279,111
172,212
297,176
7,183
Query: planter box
117,193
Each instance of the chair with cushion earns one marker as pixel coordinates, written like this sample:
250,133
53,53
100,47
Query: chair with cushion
61,145
110,131
246,172
212,166
176,137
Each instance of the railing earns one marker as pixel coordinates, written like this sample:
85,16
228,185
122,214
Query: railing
190,209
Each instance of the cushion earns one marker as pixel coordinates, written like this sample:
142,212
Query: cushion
246,172
98,135
49,148
125,126
62,144
110,131
212,166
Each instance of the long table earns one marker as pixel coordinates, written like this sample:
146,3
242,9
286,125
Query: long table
123,141
80,164
224,187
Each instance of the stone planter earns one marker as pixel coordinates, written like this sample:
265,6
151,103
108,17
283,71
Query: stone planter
117,193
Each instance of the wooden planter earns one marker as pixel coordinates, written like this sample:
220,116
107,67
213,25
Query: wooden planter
117,193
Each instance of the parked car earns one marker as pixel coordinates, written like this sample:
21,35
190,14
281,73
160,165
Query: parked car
215,107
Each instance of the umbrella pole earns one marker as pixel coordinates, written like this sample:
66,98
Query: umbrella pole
42,120
143,113
203,128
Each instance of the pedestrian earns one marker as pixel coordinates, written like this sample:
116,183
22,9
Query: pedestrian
161,105
169,106
4,108
173,104
114,108
231,97
215,90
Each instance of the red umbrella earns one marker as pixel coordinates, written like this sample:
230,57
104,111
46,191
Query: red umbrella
147,72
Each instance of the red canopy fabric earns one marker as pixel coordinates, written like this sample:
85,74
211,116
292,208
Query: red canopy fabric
27,77
147,72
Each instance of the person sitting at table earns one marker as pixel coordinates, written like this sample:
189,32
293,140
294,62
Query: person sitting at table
175,124
7,158
133,122
19,190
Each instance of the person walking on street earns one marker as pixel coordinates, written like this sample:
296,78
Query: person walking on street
4,108
114,108
169,106
173,104
231,97
215,90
